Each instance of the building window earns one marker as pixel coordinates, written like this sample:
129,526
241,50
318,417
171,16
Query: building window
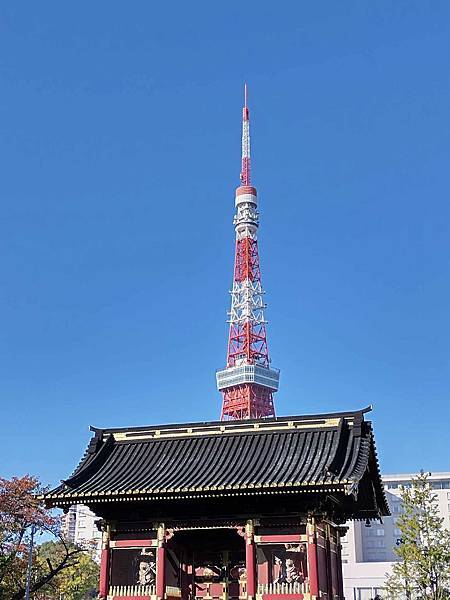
363,594
375,543
380,531
374,556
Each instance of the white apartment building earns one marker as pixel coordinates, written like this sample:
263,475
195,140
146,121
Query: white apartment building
368,552
78,527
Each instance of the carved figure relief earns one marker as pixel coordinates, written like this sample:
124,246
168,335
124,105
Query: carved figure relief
238,572
289,563
208,572
146,573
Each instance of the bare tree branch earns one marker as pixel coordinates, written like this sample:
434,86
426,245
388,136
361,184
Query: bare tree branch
67,561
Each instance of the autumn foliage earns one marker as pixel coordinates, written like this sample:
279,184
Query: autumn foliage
21,509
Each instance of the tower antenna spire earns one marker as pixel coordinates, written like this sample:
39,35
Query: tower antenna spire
245,162
248,381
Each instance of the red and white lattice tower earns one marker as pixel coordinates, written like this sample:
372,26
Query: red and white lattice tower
248,381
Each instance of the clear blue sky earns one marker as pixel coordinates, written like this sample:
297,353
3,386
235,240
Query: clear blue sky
119,148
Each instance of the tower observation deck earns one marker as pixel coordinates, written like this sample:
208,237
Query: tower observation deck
248,381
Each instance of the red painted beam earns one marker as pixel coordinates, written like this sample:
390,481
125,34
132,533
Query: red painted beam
131,543
281,539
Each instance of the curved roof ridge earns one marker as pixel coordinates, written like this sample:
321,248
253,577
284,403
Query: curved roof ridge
236,423
373,458
85,468
89,453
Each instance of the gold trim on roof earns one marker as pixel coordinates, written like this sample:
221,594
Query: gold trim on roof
203,430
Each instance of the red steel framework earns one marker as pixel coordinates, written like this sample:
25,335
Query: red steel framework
248,382
247,338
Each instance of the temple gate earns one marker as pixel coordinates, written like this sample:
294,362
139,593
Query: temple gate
238,510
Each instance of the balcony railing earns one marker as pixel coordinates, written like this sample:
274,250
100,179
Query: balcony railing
140,591
147,591
173,592
283,588
131,591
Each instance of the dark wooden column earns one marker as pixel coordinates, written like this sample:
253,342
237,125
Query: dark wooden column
335,566
313,571
339,563
250,559
186,573
161,563
329,560
104,564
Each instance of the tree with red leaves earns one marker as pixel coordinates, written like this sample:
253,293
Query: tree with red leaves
21,509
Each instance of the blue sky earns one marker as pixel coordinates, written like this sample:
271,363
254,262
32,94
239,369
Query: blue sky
119,146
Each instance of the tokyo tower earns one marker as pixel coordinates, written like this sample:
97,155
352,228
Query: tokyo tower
248,382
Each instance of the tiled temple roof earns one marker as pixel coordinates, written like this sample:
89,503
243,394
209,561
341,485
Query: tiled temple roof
313,454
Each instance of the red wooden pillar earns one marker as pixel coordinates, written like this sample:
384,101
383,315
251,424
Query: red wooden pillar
313,571
104,566
160,563
250,560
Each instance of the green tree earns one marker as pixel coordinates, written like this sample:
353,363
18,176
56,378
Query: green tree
423,571
77,582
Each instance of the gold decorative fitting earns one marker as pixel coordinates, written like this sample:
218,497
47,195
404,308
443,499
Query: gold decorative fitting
161,533
249,529
229,428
